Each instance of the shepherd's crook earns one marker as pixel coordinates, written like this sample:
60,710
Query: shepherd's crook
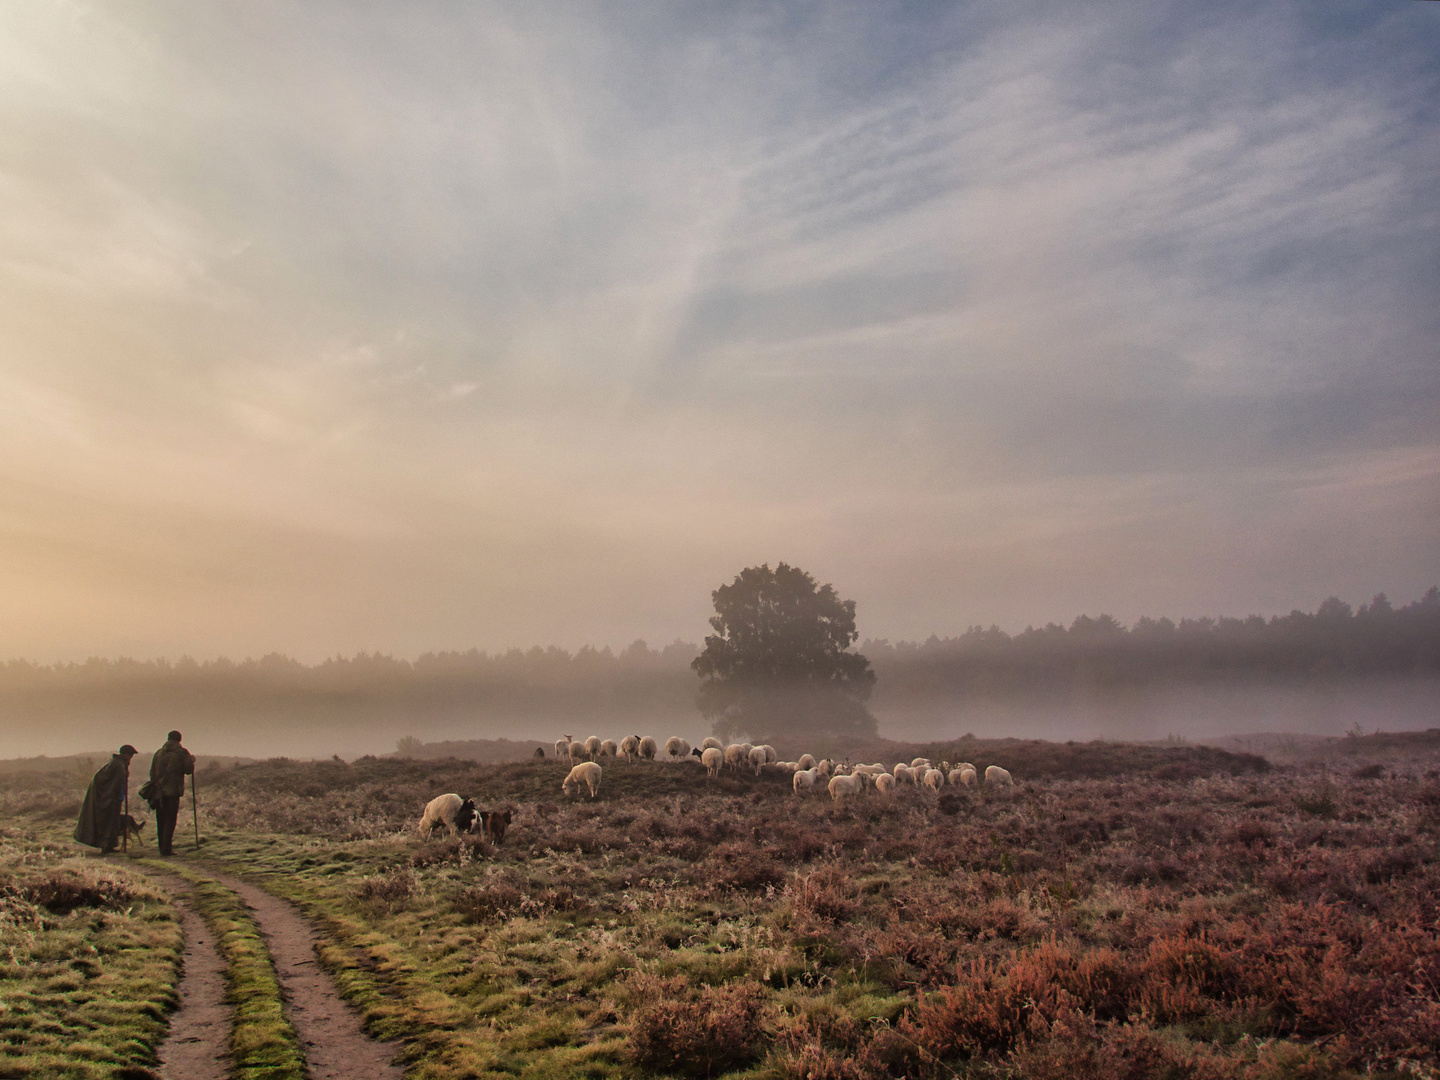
125,824
194,814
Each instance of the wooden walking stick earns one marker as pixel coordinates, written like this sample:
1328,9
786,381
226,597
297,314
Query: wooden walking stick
194,813
125,832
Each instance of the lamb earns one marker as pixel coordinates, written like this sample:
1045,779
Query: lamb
629,747
587,773
843,786
648,748
884,783
712,757
677,747
456,814
994,774
592,747
609,748
806,761
933,779
711,743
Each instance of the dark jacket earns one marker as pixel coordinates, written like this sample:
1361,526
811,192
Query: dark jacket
169,767
99,824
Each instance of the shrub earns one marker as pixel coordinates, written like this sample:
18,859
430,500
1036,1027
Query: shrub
62,893
390,889
678,1030
824,896
489,903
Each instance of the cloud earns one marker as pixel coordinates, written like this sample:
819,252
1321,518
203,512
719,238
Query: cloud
992,314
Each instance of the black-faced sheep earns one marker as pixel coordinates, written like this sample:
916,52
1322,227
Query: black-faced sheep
456,814
587,773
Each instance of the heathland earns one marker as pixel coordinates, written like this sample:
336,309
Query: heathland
1122,911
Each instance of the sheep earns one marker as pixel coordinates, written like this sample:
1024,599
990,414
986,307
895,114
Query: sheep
842,786
711,743
677,747
967,776
824,766
587,773
712,757
994,774
609,748
933,779
562,747
455,813
648,748
920,763
904,774
757,758
493,824
806,761
629,747
592,747
884,783
871,771
956,776
803,782
577,752
770,755
736,754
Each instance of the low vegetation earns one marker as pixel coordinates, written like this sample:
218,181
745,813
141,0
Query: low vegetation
1175,913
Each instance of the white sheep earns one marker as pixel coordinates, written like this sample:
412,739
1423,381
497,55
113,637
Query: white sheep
803,782
629,747
994,774
648,748
770,755
577,752
841,787
587,773
933,779
737,754
592,747
712,757
885,784
920,763
871,771
456,814
677,747
711,743
956,776
968,777
825,767
904,774
609,748
562,747
757,757
806,761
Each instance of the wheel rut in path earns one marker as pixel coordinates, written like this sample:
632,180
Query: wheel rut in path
336,1046
198,1045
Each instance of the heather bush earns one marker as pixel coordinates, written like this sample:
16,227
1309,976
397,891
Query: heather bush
677,1029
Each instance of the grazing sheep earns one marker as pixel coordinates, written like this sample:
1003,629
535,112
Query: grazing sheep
609,748
956,776
587,773
904,774
843,786
578,753
677,747
629,747
994,774
884,783
493,824
770,755
455,813
967,776
871,771
920,763
562,747
592,747
711,743
806,761
737,754
803,782
757,758
825,767
648,748
933,779
712,757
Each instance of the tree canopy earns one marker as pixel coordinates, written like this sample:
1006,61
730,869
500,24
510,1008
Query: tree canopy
779,661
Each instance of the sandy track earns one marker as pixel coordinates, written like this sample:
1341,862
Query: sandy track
197,1047
336,1046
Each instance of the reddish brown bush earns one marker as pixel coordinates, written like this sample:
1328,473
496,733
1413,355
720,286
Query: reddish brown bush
675,1029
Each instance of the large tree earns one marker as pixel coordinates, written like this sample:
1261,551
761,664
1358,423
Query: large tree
779,662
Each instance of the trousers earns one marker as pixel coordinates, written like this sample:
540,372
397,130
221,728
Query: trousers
166,814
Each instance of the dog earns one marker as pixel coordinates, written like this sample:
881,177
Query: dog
493,824
130,827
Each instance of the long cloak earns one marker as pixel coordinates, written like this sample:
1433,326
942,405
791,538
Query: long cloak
99,824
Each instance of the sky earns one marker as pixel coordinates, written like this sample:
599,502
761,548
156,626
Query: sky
329,327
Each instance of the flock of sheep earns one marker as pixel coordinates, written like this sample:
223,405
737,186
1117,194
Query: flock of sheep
807,774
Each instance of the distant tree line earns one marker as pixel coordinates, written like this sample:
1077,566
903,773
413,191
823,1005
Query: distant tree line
599,687
1332,643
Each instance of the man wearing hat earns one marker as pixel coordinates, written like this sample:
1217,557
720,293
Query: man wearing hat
99,824
168,769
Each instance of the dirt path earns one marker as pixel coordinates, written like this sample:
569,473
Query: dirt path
197,1047
336,1047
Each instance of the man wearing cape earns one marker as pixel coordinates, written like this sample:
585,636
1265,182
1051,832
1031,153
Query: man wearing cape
99,824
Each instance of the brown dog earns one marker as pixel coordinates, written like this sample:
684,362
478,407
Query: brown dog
130,827
493,824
